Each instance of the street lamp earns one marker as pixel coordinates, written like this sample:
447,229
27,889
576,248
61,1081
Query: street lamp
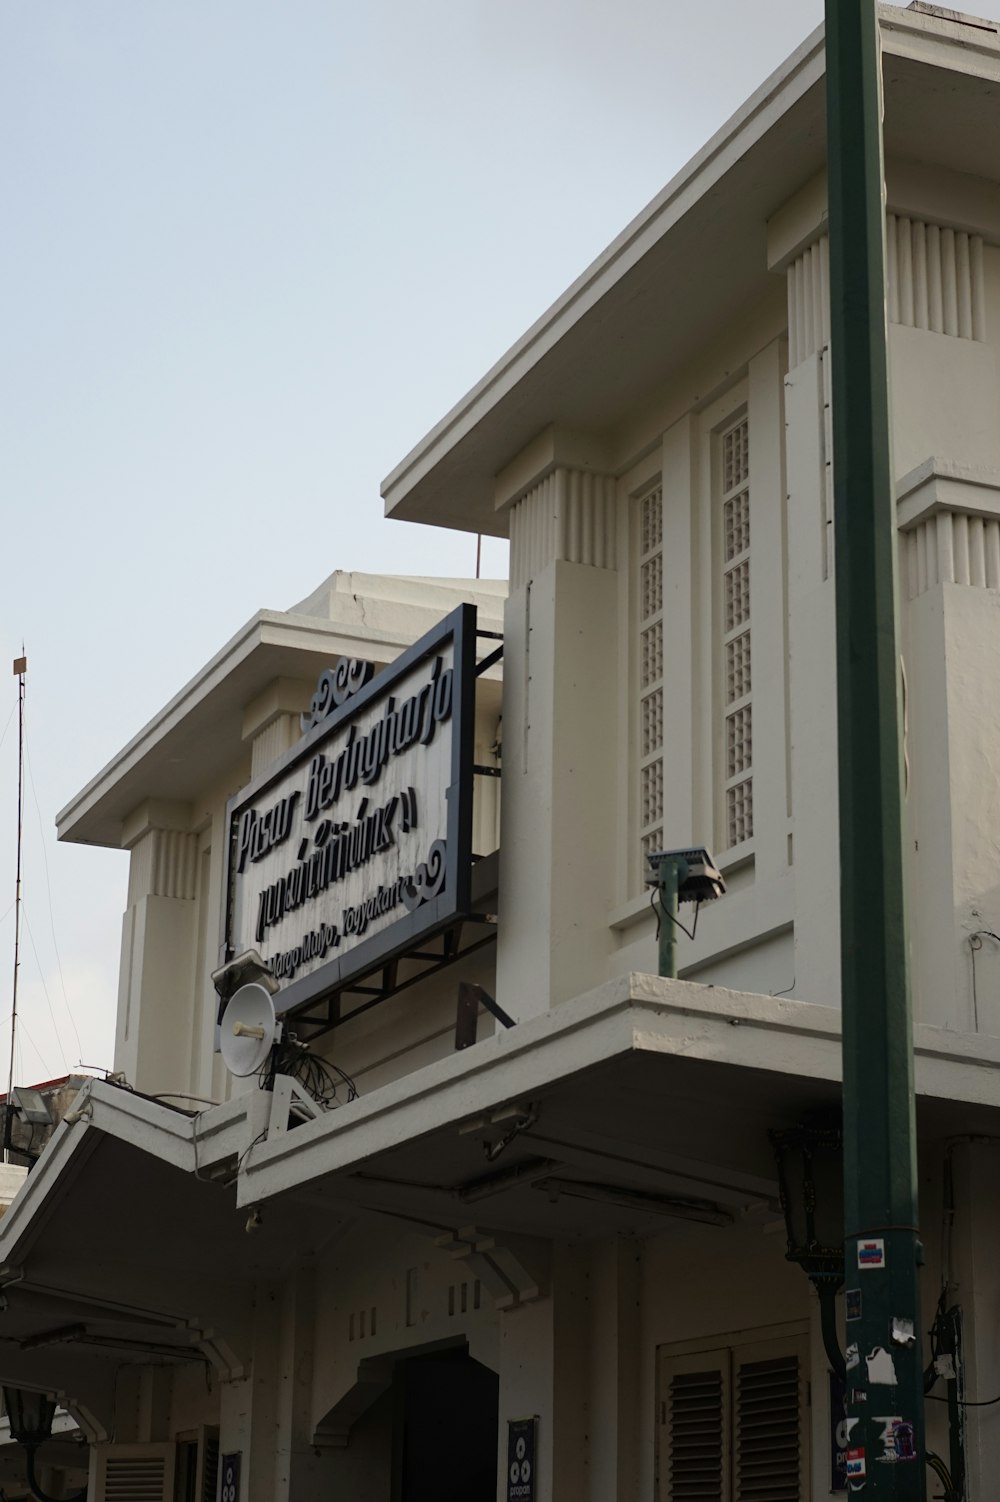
31,1414
810,1184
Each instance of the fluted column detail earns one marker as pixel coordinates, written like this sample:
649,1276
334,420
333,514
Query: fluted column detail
273,741
164,864
568,515
935,281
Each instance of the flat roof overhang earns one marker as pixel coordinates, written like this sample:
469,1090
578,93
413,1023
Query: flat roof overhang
644,1101
198,737
694,261
637,1108
121,1249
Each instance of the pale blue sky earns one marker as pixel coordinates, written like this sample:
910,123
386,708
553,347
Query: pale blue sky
252,251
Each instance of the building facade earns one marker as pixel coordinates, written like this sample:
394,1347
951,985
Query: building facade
549,1264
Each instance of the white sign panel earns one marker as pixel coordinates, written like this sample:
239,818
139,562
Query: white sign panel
358,842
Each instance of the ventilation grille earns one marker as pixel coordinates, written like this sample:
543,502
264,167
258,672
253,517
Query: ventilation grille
362,1323
652,793
135,1478
651,689
739,741
738,595
737,716
652,521
767,1431
652,586
651,714
651,655
697,1437
738,680
210,1472
737,456
462,1297
739,812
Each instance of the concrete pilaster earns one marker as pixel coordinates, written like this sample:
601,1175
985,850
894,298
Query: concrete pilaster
153,1038
560,675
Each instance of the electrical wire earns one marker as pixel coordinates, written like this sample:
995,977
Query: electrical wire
242,1158
943,1474
45,991
201,1100
659,911
964,1402
320,1078
3,737
975,945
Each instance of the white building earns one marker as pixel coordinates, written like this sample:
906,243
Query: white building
574,1221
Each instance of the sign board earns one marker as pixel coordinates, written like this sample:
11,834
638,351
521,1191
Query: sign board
521,1460
229,1482
357,844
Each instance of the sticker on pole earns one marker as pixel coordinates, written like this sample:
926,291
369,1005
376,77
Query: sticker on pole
855,1466
871,1253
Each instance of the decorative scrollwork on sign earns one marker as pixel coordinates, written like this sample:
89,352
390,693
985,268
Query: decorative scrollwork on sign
428,879
335,687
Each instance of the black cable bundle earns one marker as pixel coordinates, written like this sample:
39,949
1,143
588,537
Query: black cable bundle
320,1079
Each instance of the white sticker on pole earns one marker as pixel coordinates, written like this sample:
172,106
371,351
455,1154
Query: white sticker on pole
871,1253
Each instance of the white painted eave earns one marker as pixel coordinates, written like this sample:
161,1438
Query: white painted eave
690,262
780,1037
197,737
99,1110
198,734
778,1046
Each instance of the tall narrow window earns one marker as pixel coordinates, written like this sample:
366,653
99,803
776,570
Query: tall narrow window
737,706
650,630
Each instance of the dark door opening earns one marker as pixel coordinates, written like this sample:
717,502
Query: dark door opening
445,1429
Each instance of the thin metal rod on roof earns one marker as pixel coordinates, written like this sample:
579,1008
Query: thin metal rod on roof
20,671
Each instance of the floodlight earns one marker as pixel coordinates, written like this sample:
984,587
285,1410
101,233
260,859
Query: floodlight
30,1415
688,875
31,1106
243,969
698,880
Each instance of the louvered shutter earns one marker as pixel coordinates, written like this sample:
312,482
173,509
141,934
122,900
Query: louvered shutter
732,1423
208,1465
770,1432
694,1428
134,1473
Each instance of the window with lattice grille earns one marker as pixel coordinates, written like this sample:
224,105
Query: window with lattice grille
733,519
731,1423
649,627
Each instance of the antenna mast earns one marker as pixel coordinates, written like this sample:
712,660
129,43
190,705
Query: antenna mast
20,670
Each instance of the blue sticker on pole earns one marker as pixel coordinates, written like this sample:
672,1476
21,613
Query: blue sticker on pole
871,1254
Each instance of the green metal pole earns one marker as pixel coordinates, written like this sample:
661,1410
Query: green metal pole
881,1246
670,873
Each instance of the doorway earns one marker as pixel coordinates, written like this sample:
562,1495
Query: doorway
445,1429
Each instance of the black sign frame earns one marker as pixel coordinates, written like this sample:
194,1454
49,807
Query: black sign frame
453,902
